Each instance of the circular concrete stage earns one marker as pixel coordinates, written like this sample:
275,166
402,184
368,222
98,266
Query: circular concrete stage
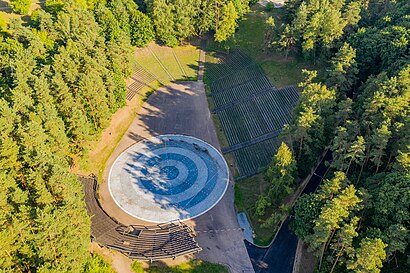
168,177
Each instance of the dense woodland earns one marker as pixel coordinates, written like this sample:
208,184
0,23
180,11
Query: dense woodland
359,219
62,76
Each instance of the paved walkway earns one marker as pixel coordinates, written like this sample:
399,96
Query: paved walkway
201,64
182,108
280,255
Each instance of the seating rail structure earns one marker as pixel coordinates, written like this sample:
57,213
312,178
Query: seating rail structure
251,111
158,242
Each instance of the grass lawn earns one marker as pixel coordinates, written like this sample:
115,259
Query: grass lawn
168,60
250,38
148,61
188,57
195,266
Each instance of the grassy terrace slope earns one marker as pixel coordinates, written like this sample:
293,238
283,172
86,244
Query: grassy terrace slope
157,64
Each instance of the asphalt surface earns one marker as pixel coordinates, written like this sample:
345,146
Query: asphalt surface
280,255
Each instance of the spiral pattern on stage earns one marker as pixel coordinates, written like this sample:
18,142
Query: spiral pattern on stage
167,178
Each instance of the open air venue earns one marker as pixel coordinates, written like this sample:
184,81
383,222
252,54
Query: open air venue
169,177
204,136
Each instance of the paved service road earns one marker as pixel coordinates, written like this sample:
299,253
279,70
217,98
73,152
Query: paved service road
280,256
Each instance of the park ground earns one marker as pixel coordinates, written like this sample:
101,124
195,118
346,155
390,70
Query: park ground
250,38
179,108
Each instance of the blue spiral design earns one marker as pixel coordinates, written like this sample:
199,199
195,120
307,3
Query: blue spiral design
168,177
168,173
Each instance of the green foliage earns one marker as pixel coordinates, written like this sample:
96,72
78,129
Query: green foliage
368,257
239,200
269,7
261,204
136,267
390,202
306,209
281,173
21,6
227,24
280,38
55,6
195,266
121,20
312,124
3,24
97,264
318,24
366,128
175,20
338,204
61,80
162,17
343,70
141,28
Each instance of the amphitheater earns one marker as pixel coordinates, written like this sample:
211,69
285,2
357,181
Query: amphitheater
167,190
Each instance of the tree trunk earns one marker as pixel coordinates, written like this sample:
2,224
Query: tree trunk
348,166
337,259
378,164
388,162
330,239
322,254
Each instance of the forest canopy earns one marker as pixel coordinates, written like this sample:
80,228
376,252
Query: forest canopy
358,108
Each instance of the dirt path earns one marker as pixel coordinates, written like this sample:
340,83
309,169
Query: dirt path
119,262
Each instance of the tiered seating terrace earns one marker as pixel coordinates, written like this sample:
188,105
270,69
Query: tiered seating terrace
158,242
251,110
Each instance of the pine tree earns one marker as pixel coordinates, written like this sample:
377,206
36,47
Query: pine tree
227,24
333,212
141,28
205,16
344,240
163,19
368,257
343,71
21,6
281,173
356,152
378,142
304,122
